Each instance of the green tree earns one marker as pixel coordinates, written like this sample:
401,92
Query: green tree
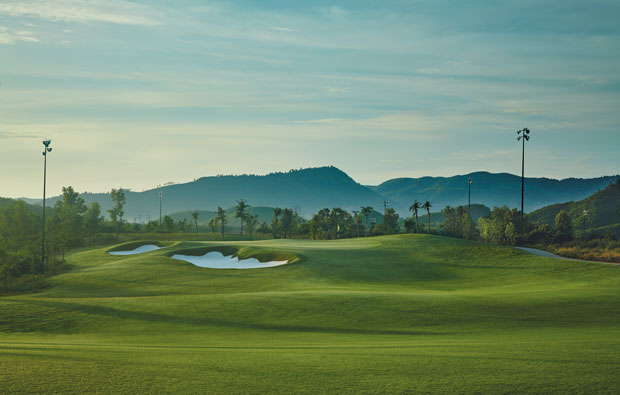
251,220
511,234
93,220
409,224
563,227
390,221
240,213
414,208
20,238
221,218
263,228
54,240
168,224
484,228
357,225
320,225
287,223
116,212
366,211
427,206
275,224
195,218
69,212
450,223
8,269
340,222
468,228
213,224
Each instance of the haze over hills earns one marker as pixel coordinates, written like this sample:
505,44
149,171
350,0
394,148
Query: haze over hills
312,189
308,190
489,189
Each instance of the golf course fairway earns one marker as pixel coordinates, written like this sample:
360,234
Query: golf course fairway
391,314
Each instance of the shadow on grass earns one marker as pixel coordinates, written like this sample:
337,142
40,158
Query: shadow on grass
154,318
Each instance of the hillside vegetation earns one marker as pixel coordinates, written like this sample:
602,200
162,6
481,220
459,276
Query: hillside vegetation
489,189
310,190
597,213
397,314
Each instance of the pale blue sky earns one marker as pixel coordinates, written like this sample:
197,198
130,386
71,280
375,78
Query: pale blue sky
135,94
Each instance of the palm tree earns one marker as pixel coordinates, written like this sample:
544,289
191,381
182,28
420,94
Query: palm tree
366,211
221,218
427,206
195,217
241,206
415,207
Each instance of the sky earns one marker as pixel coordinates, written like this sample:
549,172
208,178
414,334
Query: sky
135,94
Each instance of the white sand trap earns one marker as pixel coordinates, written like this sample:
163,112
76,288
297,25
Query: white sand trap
217,260
139,250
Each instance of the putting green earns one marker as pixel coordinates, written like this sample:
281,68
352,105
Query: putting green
407,313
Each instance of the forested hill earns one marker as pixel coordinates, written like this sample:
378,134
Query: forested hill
488,189
310,190
598,211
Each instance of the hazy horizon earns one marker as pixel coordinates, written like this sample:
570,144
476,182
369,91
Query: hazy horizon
163,184
134,93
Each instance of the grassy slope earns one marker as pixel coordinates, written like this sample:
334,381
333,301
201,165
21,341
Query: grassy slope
391,314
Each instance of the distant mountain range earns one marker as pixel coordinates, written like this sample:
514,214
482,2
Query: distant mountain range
490,189
310,190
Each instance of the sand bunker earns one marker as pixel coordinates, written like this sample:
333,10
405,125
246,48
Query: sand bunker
139,250
217,260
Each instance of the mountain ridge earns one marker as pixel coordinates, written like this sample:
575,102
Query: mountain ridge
312,189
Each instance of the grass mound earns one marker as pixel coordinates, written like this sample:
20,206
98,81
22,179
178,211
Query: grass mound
396,314
132,245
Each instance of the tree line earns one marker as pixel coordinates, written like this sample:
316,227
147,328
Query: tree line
71,223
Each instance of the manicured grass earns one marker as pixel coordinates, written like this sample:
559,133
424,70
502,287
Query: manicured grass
397,314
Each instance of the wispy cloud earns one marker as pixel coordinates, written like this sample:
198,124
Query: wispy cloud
15,135
320,121
282,29
8,37
30,39
108,11
336,90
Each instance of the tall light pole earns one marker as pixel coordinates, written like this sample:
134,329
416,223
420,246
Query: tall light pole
469,198
386,204
46,149
524,134
160,198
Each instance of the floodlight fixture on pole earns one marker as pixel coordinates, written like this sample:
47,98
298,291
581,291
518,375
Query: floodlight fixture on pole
524,134
469,197
46,149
